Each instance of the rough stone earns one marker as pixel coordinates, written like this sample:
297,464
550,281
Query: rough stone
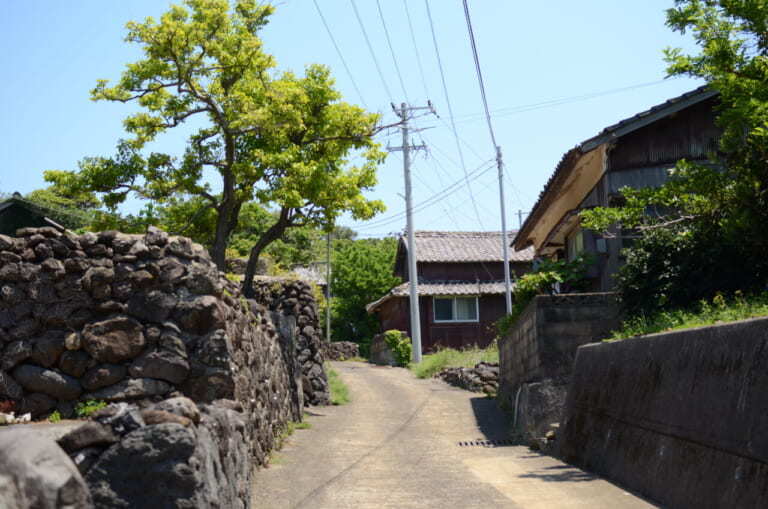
47,381
8,386
91,433
155,306
132,388
114,340
36,473
47,349
162,365
152,416
121,417
182,406
103,375
14,353
37,404
74,363
200,315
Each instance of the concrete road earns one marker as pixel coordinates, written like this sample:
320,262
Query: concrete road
397,445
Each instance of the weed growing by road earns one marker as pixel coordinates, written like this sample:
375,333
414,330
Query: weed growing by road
718,310
433,363
85,409
54,417
339,390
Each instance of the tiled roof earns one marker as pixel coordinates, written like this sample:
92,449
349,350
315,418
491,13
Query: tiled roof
570,158
433,246
430,288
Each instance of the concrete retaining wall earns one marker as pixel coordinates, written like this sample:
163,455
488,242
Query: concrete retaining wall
541,347
680,417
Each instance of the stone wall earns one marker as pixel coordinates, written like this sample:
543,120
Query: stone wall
679,417
294,300
118,317
341,350
541,347
381,353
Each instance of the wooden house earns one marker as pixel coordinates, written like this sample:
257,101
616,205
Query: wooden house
16,213
461,288
636,152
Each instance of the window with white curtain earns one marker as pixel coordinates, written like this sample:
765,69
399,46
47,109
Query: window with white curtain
455,309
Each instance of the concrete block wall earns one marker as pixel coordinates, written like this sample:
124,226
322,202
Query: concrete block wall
679,417
543,341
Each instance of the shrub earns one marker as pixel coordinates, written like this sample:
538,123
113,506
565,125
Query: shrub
54,417
571,275
87,408
433,363
400,344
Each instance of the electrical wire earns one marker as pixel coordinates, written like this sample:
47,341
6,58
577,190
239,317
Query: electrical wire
416,49
341,56
370,49
450,112
432,200
392,51
479,73
515,110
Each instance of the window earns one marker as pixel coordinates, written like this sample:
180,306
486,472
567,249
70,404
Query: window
575,244
455,309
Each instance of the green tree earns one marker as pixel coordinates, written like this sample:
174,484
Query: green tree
362,273
282,140
713,216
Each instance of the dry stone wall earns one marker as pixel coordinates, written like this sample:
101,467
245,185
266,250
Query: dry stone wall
119,317
293,301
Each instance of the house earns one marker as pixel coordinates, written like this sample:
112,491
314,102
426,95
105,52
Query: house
16,212
636,152
461,287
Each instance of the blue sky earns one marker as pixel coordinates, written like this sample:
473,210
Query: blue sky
532,55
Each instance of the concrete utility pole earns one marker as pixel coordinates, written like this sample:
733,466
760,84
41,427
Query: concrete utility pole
328,288
504,237
413,276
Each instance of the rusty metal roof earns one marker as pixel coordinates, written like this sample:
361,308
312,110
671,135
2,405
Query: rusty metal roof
442,246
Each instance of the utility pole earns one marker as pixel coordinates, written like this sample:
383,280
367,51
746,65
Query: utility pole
413,276
504,237
328,288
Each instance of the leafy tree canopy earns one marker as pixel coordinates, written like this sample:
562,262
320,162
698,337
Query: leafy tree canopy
283,140
362,273
714,215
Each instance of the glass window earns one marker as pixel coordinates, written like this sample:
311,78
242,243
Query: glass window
466,309
455,309
443,309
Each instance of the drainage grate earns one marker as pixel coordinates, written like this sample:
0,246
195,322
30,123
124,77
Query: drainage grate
485,443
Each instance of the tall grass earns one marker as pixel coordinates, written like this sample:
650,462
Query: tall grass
719,310
451,358
339,390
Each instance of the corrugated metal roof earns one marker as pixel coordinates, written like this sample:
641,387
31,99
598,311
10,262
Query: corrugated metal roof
441,246
437,288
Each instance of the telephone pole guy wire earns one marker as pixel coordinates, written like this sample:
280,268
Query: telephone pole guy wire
499,162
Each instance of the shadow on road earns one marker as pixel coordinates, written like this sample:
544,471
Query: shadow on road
560,473
491,420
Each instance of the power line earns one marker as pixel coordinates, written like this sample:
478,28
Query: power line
514,110
450,112
432,200
479,73
338,51
416,48
370,49
392,51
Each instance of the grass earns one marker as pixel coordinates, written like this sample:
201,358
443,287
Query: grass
290,428
719,310
433,363
339,390
354,359
85,409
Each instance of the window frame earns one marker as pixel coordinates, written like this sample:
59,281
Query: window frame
453,299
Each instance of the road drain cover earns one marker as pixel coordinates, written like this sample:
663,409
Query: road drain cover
485,443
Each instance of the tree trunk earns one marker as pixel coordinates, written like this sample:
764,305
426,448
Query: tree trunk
272,234
221,237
